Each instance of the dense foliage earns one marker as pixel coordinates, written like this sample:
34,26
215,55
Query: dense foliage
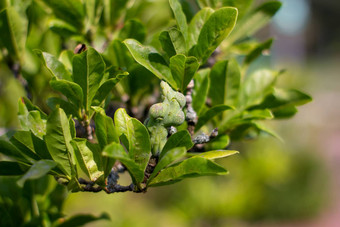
99,115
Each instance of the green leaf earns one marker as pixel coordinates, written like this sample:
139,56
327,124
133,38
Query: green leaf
241,5
179,139
214,31
88,157
116,151
133,29
208,3
82,219
137,136
65,58
88,72
12,168
166,43
192,167
23,141
113,10
71,11
36,124
10,150
216,154
71,90
40,147
105,130
64,29
37,170
201,88
179,16
209,114
256,87
258,50
257,114
285,112
13,31
26,105
262,128
69,108
178,41
225,80
183,70
254,20
56,68
218,143
151,60
115,76
196,25
167,158
58,138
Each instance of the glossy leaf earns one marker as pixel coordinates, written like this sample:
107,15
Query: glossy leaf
201,88
179,16
12,168
71,90
13,33
183,70
116,151
151,60
179,139
208,115
36,124
192,167
214,31
23,141
254,20
167,158
37,170
56,68
88,157
218,143
40,147
225,80
178,41
137,136
196,25
216,154
88,72
58,138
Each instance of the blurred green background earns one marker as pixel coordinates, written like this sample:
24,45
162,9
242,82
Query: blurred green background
271,183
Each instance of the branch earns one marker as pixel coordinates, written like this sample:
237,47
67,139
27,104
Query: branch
191,116
201,139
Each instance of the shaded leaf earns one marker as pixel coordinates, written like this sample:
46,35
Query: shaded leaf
10,150
69,108
71,90
37,170
179,139
116,151
179,16
23,141
192,167
133,29
166,43
12,168
81,220
201,88
257,51
167,158
208,115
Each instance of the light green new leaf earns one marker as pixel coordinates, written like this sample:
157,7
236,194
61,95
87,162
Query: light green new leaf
264,129
12,168
256,87
167,158
88,72
13,31
65,58
88,157
58,138
37,170
201,88
137,136
26,105
192,167
196,25
116,151
56,68
179,16
151,60
209,114
183,70
71,90
179,139
36,124
216,154
254,20
225,80
178,41
214,31
257,114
